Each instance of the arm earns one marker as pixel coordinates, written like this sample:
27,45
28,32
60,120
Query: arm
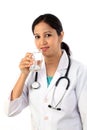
82,98
83,107
24,66
19,95
18,88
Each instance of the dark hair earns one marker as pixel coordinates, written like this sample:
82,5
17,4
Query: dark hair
55,23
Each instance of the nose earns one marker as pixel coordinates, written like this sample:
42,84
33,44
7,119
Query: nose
43,41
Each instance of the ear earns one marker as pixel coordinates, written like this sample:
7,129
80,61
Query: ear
61,35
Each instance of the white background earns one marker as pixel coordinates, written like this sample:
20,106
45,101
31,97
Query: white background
16,17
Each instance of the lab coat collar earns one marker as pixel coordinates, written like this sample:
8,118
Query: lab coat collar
63,63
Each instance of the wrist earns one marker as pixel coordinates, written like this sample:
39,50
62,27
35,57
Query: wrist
24,73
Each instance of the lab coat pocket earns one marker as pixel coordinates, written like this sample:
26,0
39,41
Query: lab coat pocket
69,102
35,96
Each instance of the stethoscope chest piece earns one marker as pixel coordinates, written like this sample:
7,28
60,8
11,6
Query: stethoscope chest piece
35,85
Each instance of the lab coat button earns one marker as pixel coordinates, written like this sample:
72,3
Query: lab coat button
45,100
46,118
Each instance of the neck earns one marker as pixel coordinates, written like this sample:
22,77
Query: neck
52,63
52,60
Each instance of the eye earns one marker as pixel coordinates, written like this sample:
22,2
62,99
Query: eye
48,35
37,36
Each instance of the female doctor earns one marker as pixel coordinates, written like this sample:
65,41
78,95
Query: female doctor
57,93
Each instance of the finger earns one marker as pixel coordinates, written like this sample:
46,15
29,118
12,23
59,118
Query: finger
28,54
26,63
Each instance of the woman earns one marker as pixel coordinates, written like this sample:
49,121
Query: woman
59,103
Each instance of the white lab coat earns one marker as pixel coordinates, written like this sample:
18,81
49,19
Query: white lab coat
73,113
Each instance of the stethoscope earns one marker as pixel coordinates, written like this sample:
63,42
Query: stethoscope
36,85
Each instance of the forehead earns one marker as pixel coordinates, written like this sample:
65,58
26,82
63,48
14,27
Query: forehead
43,27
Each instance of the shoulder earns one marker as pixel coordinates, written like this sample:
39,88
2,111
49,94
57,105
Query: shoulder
78,66
78,73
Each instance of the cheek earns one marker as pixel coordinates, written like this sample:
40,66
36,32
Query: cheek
56,47
37,44
54,44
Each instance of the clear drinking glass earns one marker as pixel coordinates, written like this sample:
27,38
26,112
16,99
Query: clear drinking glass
37,56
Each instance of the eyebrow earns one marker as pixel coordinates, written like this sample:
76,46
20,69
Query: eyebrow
44,32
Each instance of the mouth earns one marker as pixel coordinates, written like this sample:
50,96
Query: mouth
44,48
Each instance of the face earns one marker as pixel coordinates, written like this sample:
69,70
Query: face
47,39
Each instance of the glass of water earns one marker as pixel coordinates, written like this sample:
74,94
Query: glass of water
37,56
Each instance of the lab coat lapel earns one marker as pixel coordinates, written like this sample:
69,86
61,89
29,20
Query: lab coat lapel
61,87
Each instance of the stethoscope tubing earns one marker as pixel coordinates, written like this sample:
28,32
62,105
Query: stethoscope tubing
56,85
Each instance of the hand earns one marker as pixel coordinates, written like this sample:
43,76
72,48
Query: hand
25,63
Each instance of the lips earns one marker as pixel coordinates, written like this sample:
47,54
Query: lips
45,48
